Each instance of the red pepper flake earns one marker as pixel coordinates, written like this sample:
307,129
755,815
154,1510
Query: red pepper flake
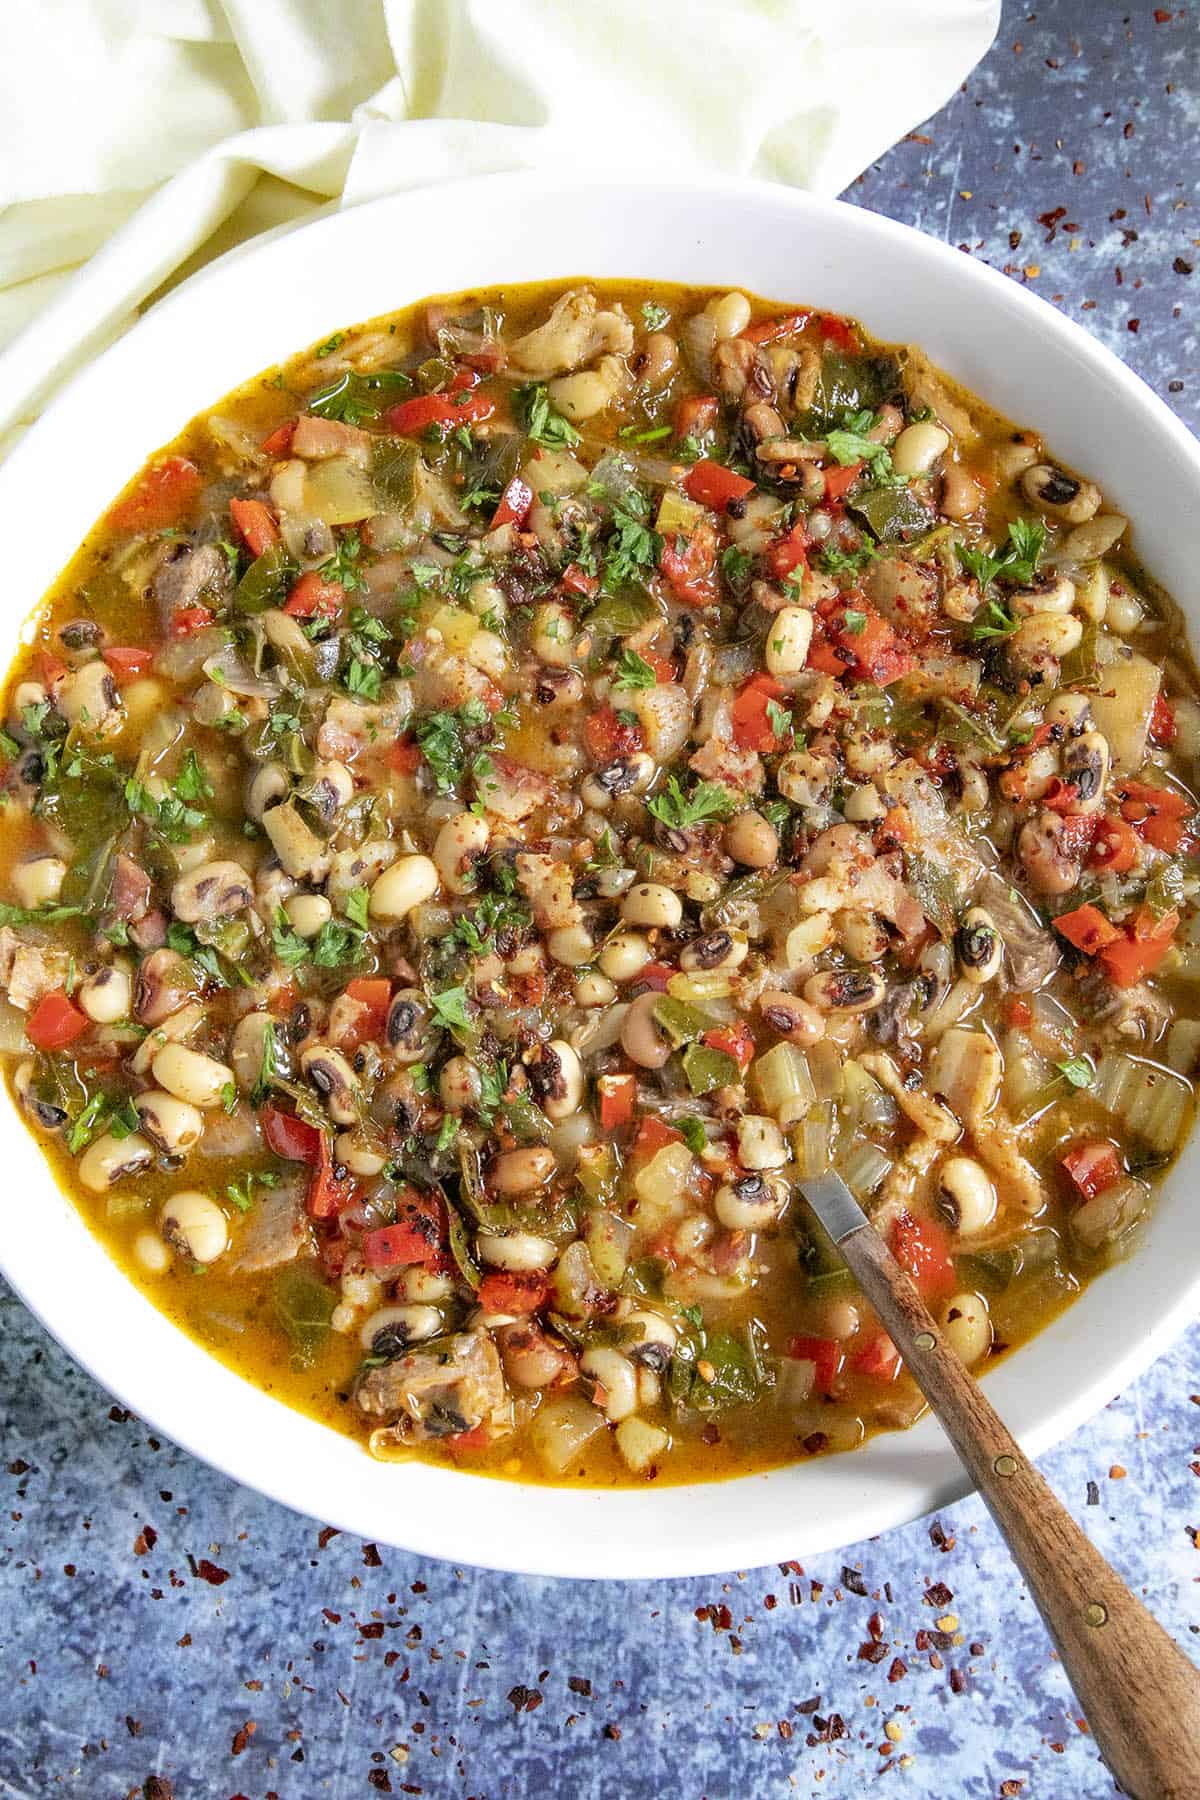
939,1539
853,1580
380,1780
1010,1789
371,1557
242,1738
770,1602
790,1568
977,1649
372,1629
157,1787
872,1652
145,1540
898,1670
523,1699
326,1536
958,1681
208,1571
805,1707
939,1594
579,1684
784,1728
1093,1493
613,1732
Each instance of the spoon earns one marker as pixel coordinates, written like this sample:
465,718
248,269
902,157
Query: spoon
1140,1692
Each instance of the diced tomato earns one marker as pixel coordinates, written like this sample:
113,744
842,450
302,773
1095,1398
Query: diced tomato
1114,846
54,1022
654,1136
664,668
127,662
418,414
1093,1166
835,331
735,1040
405,756
329,1189
712,484
618,1096
292,1138
575,580
895,827
921,1247
1156,813
608,738
255,524
1141,949
279,441
462,1442
769,331
689,564
1086,928
788,552
313,597
515,503
374,994
1163,729
187,619
655,975
824,658
875,650
752,727
1060,796
162,496
51,668
878,1359
419,1234
839,481
1017,1010
513,1293
824,1353
1079,832
696,414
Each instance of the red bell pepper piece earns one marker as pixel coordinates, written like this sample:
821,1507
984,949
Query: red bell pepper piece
878,1359
1086,928
735,1040
1163,729
769,331
374,994
608,738
839,481
1156,813
163,495
837,332
419,1235
1017,1010
874,650
464,1442
418,414
1140,950
788,552
255,524
618,1097
187,619
54,1022
405,756
652,1137
655,975
279,441
712,484
575,580
127,661
329,1189
921,1247
695,414
292,1138
825,1354
1093,1166
507,1293
1115,845
752,727
314,597
689,564
515,503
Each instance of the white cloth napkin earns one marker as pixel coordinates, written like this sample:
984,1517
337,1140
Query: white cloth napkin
141,138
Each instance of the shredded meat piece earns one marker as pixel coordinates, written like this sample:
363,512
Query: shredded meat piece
436,1393
1031,953
129,896
188,574
1135,1012
276,1231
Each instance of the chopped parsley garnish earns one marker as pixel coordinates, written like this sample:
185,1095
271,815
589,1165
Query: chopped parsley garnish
707,800
779,718
356,907
992,621
532,408
1078,1071
654,316
351,398
633,672
693,1134
267,1068
736,566
191,783
837,562
242,1194
849,444
331,344
363,679
450,1009
343,565
854,623
440,736
1017,561
183,940
631,550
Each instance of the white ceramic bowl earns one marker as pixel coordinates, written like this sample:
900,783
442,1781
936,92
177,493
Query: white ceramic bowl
258,306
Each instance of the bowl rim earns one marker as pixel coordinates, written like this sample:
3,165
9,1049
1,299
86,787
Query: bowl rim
550,1543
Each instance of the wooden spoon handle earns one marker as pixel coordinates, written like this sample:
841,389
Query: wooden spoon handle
1140,1693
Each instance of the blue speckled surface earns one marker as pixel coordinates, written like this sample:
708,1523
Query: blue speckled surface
157,1620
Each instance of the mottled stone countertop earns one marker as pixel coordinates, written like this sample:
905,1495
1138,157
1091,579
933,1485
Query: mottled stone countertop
159,1622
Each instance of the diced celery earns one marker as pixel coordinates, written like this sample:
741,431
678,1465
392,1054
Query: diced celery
782,1081
677,513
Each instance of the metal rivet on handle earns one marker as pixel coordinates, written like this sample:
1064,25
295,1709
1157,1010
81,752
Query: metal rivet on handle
924,1340
1005,1465
1095,1614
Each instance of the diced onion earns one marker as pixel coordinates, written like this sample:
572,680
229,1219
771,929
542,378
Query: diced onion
812,1143
561,1432
783,1083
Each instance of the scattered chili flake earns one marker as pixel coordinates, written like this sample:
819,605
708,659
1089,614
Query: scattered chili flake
242,1738
326,1536
938,1595
523,1699
898,1670
579,1684
371,1557
145,1540
958,1681
209,1571
612,1731
1117,1472
1093,1494
853,1580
